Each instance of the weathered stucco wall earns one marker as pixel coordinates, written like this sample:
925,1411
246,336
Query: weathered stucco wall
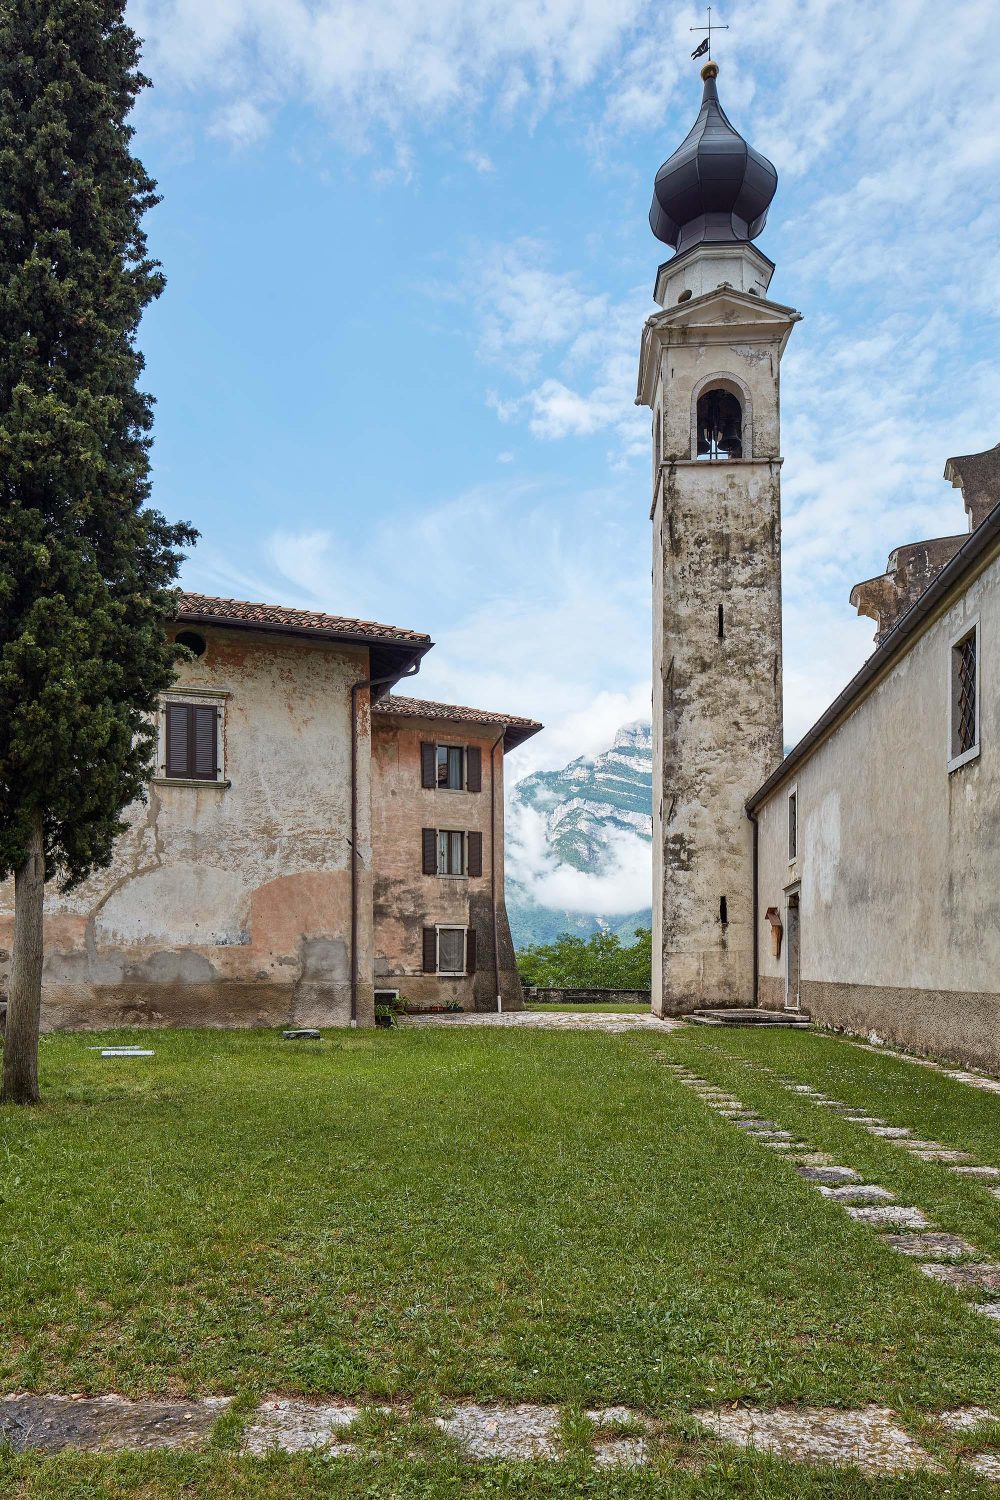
230,905
405,900
898,860
717,684
718,712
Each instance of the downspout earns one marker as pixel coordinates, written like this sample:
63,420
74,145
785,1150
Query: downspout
493,862
356,688
756,913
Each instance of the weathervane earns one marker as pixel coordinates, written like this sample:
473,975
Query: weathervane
706,45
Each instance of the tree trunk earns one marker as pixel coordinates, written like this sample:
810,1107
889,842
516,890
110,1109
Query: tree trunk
24,1005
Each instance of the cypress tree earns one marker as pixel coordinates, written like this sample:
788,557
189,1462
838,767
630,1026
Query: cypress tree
86,567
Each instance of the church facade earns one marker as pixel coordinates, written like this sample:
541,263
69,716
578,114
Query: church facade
855,878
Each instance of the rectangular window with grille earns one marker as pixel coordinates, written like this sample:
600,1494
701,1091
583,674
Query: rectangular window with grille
964,744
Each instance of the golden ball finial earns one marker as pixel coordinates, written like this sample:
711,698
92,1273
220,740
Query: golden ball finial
710,70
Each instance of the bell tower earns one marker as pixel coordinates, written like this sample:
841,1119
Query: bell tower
709,372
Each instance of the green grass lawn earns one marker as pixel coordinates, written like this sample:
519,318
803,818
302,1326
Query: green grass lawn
503,1215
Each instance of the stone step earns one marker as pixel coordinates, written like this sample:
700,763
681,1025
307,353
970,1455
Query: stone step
733,1017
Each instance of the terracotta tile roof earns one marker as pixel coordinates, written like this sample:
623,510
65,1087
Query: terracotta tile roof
206,609
517,728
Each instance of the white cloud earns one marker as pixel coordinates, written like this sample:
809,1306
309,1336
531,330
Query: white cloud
541,612
622,886
529,314
241,123
386,64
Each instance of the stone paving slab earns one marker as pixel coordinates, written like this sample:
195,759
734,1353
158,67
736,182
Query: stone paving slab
888,1132
518,1432
984,1277
986,1465
535,1020
988,1310
870,1439
895,1215
861,1192
965,1418
931,1246
300,1427
621,1453
830,1176
990,1174
101,1424
942,1154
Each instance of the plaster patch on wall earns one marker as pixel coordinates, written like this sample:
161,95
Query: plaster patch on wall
175,904
821,847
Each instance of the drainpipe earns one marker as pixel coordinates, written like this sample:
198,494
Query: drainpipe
356,688
756,913
493,862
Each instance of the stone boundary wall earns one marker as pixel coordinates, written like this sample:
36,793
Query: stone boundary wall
539,996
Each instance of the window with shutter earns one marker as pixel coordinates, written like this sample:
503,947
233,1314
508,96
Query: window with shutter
430,950
450,768
451,950
474,768
475,861
430,851
428,765
192,741
470,950
450,852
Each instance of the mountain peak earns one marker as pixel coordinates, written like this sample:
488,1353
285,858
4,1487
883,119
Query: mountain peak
638,735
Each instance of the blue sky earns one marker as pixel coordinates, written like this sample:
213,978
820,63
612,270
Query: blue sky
408,266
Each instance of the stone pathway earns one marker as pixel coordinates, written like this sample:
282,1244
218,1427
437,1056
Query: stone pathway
967,1076
922,1241
873,1439
535,1020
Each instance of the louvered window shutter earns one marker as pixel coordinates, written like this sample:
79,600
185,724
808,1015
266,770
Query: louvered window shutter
430,851
428,765
475,854
470,950
204,742
474,768
430,950
178,735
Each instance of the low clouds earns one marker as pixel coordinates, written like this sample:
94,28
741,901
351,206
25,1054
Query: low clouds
623,884
555,627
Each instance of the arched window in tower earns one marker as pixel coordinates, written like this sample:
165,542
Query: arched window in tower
720,424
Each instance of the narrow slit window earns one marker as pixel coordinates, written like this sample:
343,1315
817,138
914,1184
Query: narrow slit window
965,698
722,621
793,825
723,910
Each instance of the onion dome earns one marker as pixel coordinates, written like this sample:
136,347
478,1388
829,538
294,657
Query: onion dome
715,188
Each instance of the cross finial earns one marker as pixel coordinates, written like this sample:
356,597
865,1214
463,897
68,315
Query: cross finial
706,45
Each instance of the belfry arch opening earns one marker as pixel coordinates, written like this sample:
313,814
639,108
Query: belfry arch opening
719,424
